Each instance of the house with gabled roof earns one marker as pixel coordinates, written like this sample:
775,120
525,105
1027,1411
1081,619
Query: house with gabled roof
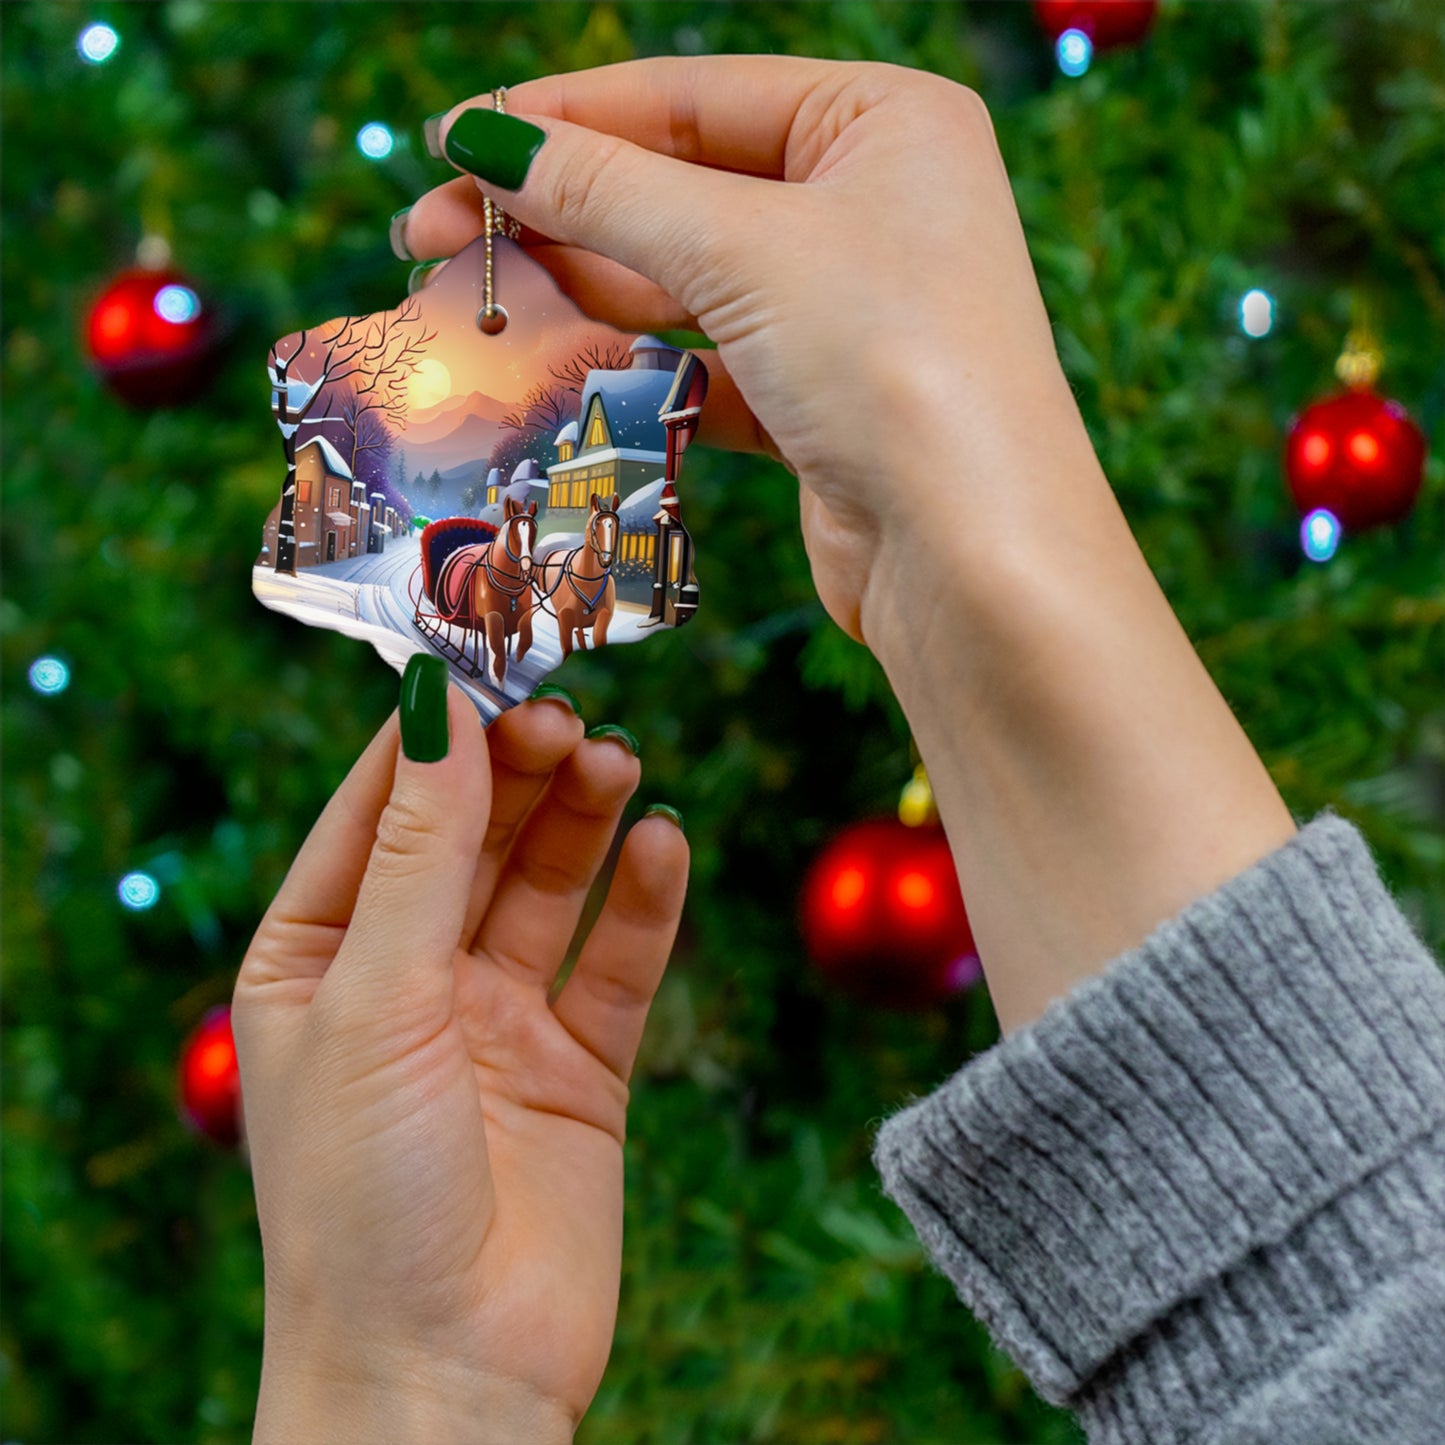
617,444
326,522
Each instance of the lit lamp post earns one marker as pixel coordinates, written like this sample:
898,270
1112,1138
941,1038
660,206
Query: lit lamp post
679,415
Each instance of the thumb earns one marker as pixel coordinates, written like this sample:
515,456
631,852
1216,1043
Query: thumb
663,218
407,923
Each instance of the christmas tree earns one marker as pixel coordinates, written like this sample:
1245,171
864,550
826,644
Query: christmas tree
161,728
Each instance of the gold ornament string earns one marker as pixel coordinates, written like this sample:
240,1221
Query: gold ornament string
492,318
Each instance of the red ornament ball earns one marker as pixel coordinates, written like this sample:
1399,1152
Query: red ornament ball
883,918
1107,23
210,1081
1359,456
152,338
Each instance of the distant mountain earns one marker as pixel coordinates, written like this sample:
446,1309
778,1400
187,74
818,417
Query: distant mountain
434,423
465,474
470,439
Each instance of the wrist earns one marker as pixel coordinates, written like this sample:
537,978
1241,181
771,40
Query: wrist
400,1398
984,546
1092,780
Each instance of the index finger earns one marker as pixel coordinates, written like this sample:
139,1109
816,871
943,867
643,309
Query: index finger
732,112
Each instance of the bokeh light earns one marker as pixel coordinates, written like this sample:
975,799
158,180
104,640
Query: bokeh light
1319,535
138,891
1256,313
375,141
849,887
97,43
177,304
1364,448
49,675
1074,51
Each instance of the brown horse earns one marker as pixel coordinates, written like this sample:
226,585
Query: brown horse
487,586
579,584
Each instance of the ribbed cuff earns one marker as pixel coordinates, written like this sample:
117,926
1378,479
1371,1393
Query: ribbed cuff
1200,1158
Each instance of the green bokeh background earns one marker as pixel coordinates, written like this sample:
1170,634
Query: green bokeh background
770,1293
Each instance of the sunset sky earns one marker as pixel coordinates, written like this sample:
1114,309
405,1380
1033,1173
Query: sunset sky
542,323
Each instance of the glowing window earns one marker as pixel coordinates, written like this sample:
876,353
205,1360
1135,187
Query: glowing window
597,433
564,452
303,492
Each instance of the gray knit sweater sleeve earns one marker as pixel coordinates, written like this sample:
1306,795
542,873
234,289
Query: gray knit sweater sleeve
1202,1199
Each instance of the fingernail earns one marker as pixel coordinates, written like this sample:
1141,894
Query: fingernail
431,133
424,737
396,232
550,689
663,810
613,730
498,148
687,340
421,272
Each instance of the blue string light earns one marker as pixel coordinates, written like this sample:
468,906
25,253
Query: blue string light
49,675
1074,52
1319,535
375,141
177,304
1256,313
138,891
97,43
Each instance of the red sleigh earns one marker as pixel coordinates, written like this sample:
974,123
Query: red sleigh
441,591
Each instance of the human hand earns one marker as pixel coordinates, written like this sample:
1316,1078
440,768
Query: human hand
847,235
437,1149
878,323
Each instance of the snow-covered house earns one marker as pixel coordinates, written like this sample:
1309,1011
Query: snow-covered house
526,484
325,513
620,442
637,542
376,542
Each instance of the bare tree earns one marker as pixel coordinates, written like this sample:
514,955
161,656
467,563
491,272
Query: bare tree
293,399
509,449
369,427
546,408
376,403
600,356
374,356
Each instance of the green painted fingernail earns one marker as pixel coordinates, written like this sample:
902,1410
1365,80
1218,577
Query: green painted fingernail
550,689
498,148
687,340
420,272
613,730
424,735
431,133
396,233
663,810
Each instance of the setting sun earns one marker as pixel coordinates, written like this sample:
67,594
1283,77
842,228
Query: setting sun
430,383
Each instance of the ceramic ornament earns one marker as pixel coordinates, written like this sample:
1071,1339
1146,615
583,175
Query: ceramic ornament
498,497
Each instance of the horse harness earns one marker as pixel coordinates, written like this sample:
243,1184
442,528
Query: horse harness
494,577
589,603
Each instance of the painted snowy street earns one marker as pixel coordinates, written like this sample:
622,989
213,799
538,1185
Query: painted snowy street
367,598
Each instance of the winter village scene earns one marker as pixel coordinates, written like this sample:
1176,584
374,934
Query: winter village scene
499,499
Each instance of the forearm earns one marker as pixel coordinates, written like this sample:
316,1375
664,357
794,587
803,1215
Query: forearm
1091,778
